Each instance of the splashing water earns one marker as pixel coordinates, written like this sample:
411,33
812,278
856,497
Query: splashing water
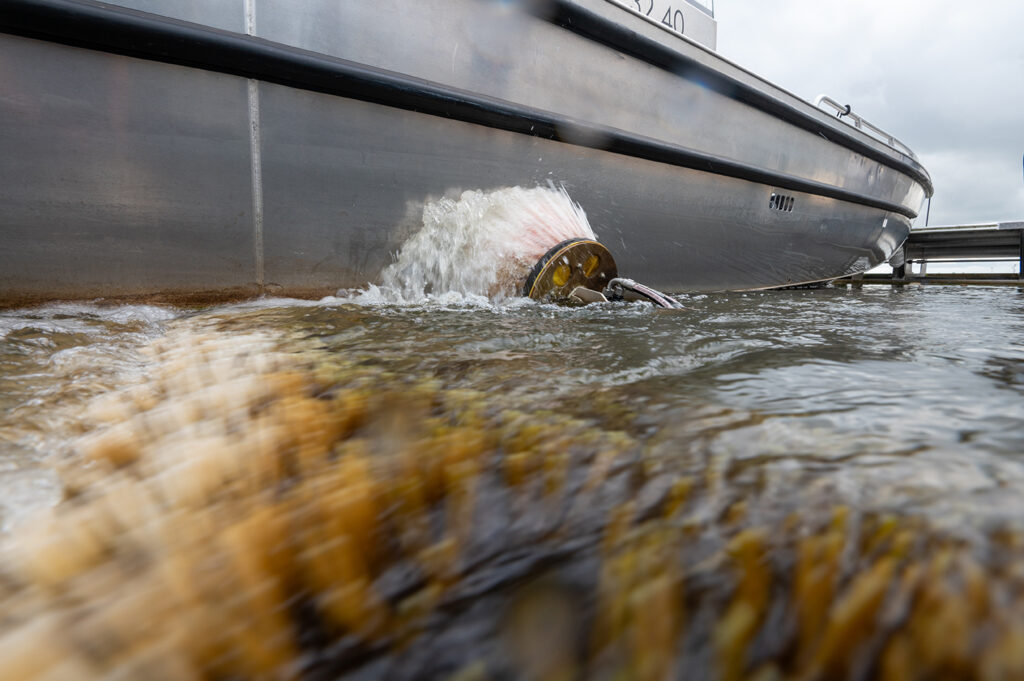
484,243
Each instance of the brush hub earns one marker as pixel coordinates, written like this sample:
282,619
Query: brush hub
572,263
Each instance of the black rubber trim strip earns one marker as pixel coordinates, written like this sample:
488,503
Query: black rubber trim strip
587,24
97,26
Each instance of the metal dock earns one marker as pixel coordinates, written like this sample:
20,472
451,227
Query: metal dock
995,242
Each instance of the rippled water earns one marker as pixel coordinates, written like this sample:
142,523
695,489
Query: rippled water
831,373
902,401
892,396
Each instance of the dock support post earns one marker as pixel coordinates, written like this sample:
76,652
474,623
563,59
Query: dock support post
1020,262
900,271
898,262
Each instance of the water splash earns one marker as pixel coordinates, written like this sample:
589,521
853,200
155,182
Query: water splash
483,244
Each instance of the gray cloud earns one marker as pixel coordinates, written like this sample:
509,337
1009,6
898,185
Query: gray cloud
945,77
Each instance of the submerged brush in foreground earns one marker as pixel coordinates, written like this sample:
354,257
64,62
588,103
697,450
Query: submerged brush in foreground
255,508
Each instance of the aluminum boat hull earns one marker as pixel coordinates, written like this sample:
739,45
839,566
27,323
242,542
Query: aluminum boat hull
232,159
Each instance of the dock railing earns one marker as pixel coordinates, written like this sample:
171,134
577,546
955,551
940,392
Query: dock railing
844,112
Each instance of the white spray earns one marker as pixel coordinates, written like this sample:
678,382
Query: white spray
484,243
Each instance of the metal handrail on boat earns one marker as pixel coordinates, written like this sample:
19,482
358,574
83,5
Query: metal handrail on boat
843,111
706,6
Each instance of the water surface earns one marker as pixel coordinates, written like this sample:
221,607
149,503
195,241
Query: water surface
751,425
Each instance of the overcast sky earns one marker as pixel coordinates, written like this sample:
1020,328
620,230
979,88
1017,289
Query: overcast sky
947,78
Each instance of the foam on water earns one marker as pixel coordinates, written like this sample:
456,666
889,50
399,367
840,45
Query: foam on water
53,359
477,249
85,318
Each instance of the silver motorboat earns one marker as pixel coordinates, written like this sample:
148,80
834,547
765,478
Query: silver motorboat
207,149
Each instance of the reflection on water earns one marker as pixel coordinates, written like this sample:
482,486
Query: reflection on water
799,484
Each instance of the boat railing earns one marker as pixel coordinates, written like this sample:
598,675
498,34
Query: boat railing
706,6
843,111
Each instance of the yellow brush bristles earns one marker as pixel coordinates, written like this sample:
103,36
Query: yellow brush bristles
256,509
